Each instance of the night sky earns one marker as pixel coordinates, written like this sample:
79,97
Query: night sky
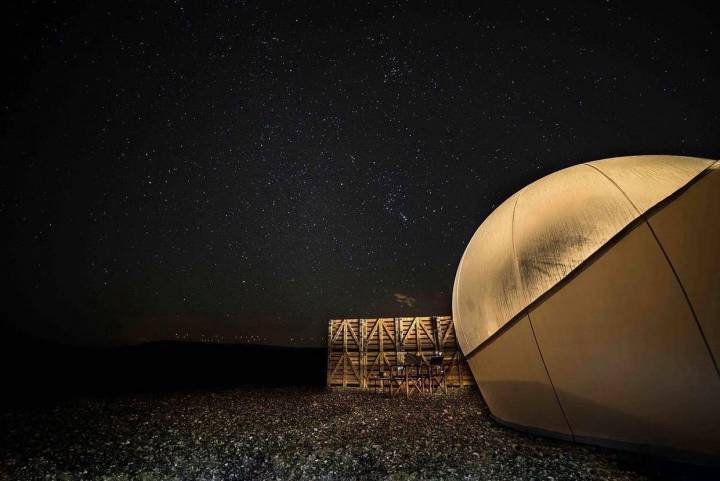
231,169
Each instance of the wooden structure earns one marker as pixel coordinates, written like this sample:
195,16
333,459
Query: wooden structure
371,354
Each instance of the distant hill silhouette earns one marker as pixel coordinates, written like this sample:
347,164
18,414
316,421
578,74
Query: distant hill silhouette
36,370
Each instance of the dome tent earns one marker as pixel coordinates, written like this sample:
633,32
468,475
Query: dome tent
588,305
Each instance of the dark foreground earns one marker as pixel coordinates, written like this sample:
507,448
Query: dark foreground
295,433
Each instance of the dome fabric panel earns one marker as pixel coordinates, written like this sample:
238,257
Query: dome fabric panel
648,179
488,255
688,228
533,240
624,352
560,221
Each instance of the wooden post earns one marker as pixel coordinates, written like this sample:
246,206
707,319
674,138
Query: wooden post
398,340
329,348
380,323
381,327
407,383
363,381
345,353
417,335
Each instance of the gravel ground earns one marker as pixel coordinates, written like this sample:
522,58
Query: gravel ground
295,433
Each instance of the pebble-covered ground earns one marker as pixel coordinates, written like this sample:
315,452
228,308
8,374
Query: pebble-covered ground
295,434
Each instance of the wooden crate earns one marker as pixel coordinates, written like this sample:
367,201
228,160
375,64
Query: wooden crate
360,349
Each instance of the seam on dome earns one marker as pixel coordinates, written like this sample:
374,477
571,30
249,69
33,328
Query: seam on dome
456,287
617,187
516,260
675,274
517,273
512,225
547,373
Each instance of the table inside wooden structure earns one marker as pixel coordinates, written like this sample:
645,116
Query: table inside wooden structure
416,375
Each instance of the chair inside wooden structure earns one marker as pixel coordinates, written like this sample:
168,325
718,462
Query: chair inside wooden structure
414,374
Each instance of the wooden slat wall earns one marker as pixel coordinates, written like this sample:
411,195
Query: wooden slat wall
359,349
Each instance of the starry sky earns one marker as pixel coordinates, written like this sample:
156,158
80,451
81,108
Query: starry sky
220,170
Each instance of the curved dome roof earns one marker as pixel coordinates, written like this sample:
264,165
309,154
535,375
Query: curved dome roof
544,231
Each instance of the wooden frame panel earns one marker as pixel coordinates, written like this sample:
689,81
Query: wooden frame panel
361,350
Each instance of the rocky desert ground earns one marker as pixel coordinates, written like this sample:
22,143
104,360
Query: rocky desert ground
284,433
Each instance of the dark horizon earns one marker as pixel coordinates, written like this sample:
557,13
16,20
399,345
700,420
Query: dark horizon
182,170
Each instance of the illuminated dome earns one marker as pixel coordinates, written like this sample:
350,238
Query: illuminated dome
588,304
